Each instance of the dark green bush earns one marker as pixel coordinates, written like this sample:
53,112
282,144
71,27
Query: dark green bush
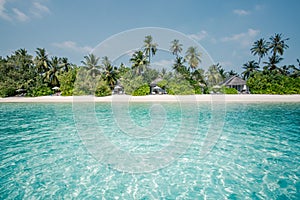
7,90
66,81
261,83
41,91
180,87
102,90
142,91
198,90
230,91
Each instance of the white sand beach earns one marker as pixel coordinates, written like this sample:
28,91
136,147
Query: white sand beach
156,98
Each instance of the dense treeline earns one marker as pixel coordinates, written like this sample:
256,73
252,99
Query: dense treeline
272,78
22,74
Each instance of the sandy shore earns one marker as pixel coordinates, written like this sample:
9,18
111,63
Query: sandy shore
158,98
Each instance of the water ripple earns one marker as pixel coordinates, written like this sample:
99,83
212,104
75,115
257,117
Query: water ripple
256,157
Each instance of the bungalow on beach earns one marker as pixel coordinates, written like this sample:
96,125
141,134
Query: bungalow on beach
118,89
237,83
154,89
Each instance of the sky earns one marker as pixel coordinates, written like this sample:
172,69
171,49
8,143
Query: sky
73,28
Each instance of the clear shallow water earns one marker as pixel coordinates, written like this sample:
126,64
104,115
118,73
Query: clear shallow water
256,157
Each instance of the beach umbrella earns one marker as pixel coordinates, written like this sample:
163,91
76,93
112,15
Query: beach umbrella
20,90
118,87
55,88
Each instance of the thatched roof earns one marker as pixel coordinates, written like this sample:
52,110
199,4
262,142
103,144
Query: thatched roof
234,80
154,83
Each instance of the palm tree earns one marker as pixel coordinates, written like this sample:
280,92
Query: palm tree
260,48
24,59
213,75
105,61
198,76
180,68
231,73
22,62
163,72
221,71
91,63
65,65
277,44
41,61
110,74
250,67
139,62
193,57
149,47
293,71
271,64
176,47
51,75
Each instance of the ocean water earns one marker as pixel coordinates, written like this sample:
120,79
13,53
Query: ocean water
51,151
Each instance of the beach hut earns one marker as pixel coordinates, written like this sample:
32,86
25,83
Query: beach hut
237,83
118,89
154,87
157,90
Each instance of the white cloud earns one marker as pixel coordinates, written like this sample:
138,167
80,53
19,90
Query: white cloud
72,46
199,36
244,39
38,9
20,15
3,13
35,9
241,12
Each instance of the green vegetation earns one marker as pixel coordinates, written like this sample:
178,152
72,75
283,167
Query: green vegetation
179,87
141,91
273,83
230,90
66,81
102,89
272,79
22,74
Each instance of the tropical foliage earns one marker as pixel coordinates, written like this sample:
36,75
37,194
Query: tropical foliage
142,90
150,48
193,57
23,74
250,67
273,83
230,90
176,48
102,89
272,78
66,81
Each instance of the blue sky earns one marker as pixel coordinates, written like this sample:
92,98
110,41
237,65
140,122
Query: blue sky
72,28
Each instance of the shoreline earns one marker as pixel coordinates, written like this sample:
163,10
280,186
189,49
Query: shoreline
247,98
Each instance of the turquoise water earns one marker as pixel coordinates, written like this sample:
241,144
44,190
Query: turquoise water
42,155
